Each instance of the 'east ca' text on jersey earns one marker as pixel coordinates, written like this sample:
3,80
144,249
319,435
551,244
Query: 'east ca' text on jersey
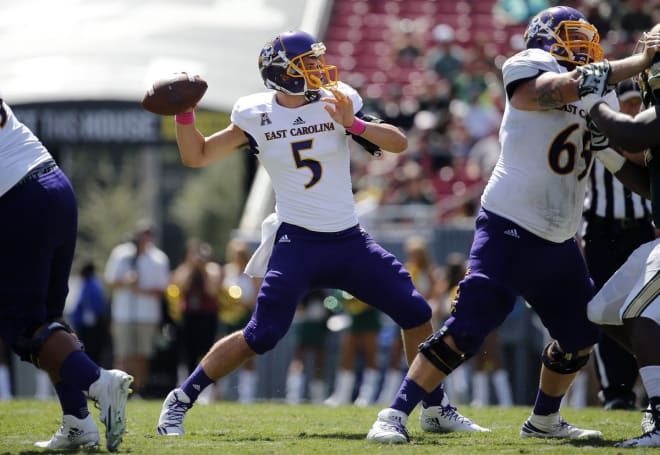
300,131
540,179
306,154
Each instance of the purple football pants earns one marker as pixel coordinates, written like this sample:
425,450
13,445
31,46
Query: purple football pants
506,261
37,241
349,260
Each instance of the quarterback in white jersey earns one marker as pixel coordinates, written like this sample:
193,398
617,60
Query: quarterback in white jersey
306,155
524,237
300,131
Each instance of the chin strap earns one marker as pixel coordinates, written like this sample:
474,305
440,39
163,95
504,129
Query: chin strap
312,95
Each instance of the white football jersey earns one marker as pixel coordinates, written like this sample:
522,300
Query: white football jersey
540,179
20,150
306,154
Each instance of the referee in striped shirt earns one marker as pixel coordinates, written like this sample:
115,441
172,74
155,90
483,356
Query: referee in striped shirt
616,222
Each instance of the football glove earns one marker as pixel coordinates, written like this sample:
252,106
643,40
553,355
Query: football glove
593,83
598,140
601,150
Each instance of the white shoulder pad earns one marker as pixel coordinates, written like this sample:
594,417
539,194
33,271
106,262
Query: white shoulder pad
527,64
249,106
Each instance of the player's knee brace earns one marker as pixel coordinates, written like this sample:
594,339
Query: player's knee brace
562,362
440,354
29,344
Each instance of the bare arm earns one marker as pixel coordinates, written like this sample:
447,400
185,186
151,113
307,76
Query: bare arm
387,137
551,90
634,135
547,91
637,158
631,66
636,178
197,150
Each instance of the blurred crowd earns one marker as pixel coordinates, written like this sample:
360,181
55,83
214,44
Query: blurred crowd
433,68
436,74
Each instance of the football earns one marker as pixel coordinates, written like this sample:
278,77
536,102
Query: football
174,94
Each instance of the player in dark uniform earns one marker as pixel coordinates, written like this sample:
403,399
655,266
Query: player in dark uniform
616,222
628,305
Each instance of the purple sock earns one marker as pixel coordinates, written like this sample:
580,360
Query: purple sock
545,404
79,370
409,394
72,400
195,383
434,398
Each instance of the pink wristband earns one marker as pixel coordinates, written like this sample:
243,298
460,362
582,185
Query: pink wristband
358,127
186,118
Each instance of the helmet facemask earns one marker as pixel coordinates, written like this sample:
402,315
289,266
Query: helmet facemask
317,74
301,73
575,50
566,35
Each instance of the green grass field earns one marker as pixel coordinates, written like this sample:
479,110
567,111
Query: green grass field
274,428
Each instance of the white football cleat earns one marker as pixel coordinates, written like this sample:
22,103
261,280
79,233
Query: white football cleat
175,406
536,427
110,391
73,434
389,428
445,419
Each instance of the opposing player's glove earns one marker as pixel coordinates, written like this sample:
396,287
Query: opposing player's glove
598,140
593,83
600,147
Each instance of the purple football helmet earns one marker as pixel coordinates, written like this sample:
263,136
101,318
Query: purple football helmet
284,65
565,33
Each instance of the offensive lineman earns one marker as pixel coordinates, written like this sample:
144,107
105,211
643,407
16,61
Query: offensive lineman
524,239
37,240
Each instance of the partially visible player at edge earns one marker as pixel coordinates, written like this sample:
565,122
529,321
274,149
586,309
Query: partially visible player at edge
524,243
616,222
37,239
628,306
300,132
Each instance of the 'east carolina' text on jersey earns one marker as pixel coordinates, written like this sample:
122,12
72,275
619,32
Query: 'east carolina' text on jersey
540,179
306,155
20,150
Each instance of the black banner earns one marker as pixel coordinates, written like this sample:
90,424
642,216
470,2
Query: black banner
91,122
